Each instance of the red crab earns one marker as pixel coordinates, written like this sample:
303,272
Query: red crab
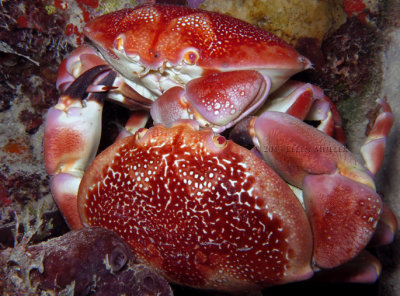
201,209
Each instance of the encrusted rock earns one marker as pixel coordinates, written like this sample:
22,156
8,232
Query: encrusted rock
90,261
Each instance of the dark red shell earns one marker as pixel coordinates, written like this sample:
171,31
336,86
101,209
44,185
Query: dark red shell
204,213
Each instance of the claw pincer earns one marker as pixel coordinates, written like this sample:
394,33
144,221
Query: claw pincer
339,194
243,93
71,139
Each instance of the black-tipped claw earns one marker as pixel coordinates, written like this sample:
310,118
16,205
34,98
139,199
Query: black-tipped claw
79,87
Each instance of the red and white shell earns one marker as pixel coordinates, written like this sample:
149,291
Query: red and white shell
203,212
180,43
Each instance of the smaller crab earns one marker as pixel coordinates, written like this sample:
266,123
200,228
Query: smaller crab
202,210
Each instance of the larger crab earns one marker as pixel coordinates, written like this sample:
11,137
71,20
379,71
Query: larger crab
200,209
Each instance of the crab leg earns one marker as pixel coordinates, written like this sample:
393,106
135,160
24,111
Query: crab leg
123,94
136,121
71,139
374,146
372,151
218,101
307,102
339,194
386,228
364,268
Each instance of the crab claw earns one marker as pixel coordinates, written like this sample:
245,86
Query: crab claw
203,211
343,215
339,193
71,139
218,100
79,61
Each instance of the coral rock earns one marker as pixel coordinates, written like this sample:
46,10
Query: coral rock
91,261
289,19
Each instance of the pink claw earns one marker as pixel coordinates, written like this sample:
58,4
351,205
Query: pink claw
70,143
343,215
79,61
339,194
170,107
218,100
71,139
67,145
303,150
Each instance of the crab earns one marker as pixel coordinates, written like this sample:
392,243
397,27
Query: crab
199,208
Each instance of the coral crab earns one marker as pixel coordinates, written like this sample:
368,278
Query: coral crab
201,209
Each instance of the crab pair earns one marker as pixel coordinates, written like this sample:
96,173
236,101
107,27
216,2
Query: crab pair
200,209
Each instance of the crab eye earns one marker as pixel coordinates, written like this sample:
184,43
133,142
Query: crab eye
154,54
190,57
220,141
